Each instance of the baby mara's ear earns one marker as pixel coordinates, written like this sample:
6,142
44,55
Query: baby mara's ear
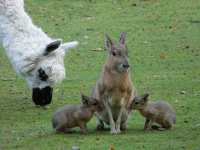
85,99
93,101
145,97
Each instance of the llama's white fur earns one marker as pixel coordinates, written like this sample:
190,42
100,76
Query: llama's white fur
25,44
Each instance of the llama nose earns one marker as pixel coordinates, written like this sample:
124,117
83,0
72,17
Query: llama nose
42,96
126,65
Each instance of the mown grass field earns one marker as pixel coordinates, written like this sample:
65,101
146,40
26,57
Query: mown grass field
164,50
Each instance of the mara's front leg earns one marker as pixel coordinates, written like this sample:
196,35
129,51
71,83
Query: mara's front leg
119,119
124,120
146,125
83,127
110,115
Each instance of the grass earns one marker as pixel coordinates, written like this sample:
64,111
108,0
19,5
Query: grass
164,46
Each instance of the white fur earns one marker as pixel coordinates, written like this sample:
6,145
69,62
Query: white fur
25,44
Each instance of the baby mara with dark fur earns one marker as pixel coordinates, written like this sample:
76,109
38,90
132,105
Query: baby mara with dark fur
159,112
71,116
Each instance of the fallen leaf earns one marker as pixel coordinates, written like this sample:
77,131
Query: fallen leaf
182,92
112,147
162,56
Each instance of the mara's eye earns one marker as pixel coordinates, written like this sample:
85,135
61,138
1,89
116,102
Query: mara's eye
42,75
95,103
136,103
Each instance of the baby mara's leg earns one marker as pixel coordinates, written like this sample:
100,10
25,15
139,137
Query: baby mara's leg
146,125
83,127
63,129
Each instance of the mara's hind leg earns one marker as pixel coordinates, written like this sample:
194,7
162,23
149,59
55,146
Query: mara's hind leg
123,126
167,124
169,121
61,129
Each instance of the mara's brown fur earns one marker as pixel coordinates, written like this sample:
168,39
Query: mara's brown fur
115,87
71,116
159,112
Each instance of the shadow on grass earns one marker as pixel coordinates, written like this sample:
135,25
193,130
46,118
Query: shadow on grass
93,132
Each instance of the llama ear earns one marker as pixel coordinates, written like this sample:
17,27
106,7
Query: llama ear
52,47
108,42
123,38
69,45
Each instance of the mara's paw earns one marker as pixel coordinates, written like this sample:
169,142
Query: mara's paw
118,131
113,131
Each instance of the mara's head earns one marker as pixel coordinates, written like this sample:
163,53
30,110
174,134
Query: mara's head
46,69
117,54
140,102
92,103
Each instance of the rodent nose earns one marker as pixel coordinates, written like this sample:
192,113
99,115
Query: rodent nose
126,65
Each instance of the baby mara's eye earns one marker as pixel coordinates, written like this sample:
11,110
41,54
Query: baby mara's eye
114,53
95,103
136,103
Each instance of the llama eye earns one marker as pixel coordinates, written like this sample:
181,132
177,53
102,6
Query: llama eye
42,75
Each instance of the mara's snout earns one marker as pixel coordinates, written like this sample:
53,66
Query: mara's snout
42,96
126,66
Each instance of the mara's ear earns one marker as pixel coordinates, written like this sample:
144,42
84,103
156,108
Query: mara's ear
108,42
69,45
85,99
122,39
52,47
145,97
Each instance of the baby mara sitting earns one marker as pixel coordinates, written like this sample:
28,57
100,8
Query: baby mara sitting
159,112
71,116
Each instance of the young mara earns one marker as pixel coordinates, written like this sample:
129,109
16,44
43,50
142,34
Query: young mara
71,116
159,112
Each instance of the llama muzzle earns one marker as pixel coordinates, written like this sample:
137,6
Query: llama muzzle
42,96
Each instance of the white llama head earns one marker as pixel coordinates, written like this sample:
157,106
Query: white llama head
46,69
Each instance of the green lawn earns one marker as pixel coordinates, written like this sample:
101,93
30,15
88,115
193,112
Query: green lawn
164,48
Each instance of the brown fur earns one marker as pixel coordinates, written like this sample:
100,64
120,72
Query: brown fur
159,112
71,116
114,88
